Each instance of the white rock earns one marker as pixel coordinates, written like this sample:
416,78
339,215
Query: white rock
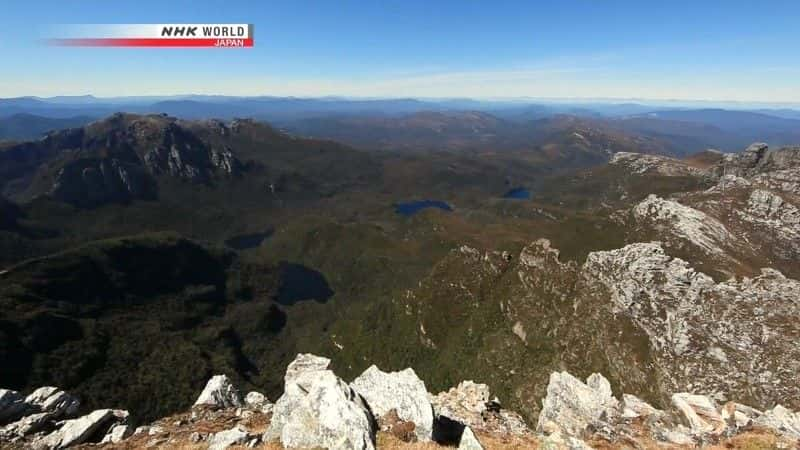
739,415
258,401
76,431
117,433
684,223
41,394
558,441
401,391
220,392
469,441
678,436
782,420
224,439
700,412
53,400
29,424
304,363
571,405
318,409
464,403
633,406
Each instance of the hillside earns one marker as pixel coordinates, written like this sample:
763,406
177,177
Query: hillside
629,268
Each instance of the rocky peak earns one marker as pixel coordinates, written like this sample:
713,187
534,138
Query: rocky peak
640,163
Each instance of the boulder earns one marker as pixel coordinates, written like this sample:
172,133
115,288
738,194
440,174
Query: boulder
258,402
464,403
25,426
318,409
402,392
117,433
633,407
52,400
700,413
570,405
304,363
469,404
737,415
300,374
469,441
220,392
12,405
224,439
76,431
781,420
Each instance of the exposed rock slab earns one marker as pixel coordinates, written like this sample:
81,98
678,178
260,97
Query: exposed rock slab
401,391
727,338
76,431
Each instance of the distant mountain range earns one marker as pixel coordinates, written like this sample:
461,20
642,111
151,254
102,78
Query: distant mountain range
425,123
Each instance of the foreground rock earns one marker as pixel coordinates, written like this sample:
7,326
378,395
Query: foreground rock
470,405
570,405
579,415
224,439
220,392
469,441
700,412
402,392
318,409
77,431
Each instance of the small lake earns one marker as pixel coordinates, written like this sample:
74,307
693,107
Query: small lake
300,283
411,208
247,241
519,193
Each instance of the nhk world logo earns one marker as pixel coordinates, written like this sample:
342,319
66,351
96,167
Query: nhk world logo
220,35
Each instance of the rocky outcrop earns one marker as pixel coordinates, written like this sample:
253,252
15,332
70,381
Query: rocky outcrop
258,401
640,163
80,430
782,420
682,225
402,392
729,337
220,392
470,404
700,413
742,164
571,405
93,182
576,413
224,439
53,401
318,409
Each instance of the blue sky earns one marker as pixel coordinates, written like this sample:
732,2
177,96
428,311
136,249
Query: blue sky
702,50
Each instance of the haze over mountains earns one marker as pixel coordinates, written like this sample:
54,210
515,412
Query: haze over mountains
431,123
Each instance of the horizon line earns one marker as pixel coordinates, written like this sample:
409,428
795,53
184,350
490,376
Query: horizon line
509,99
